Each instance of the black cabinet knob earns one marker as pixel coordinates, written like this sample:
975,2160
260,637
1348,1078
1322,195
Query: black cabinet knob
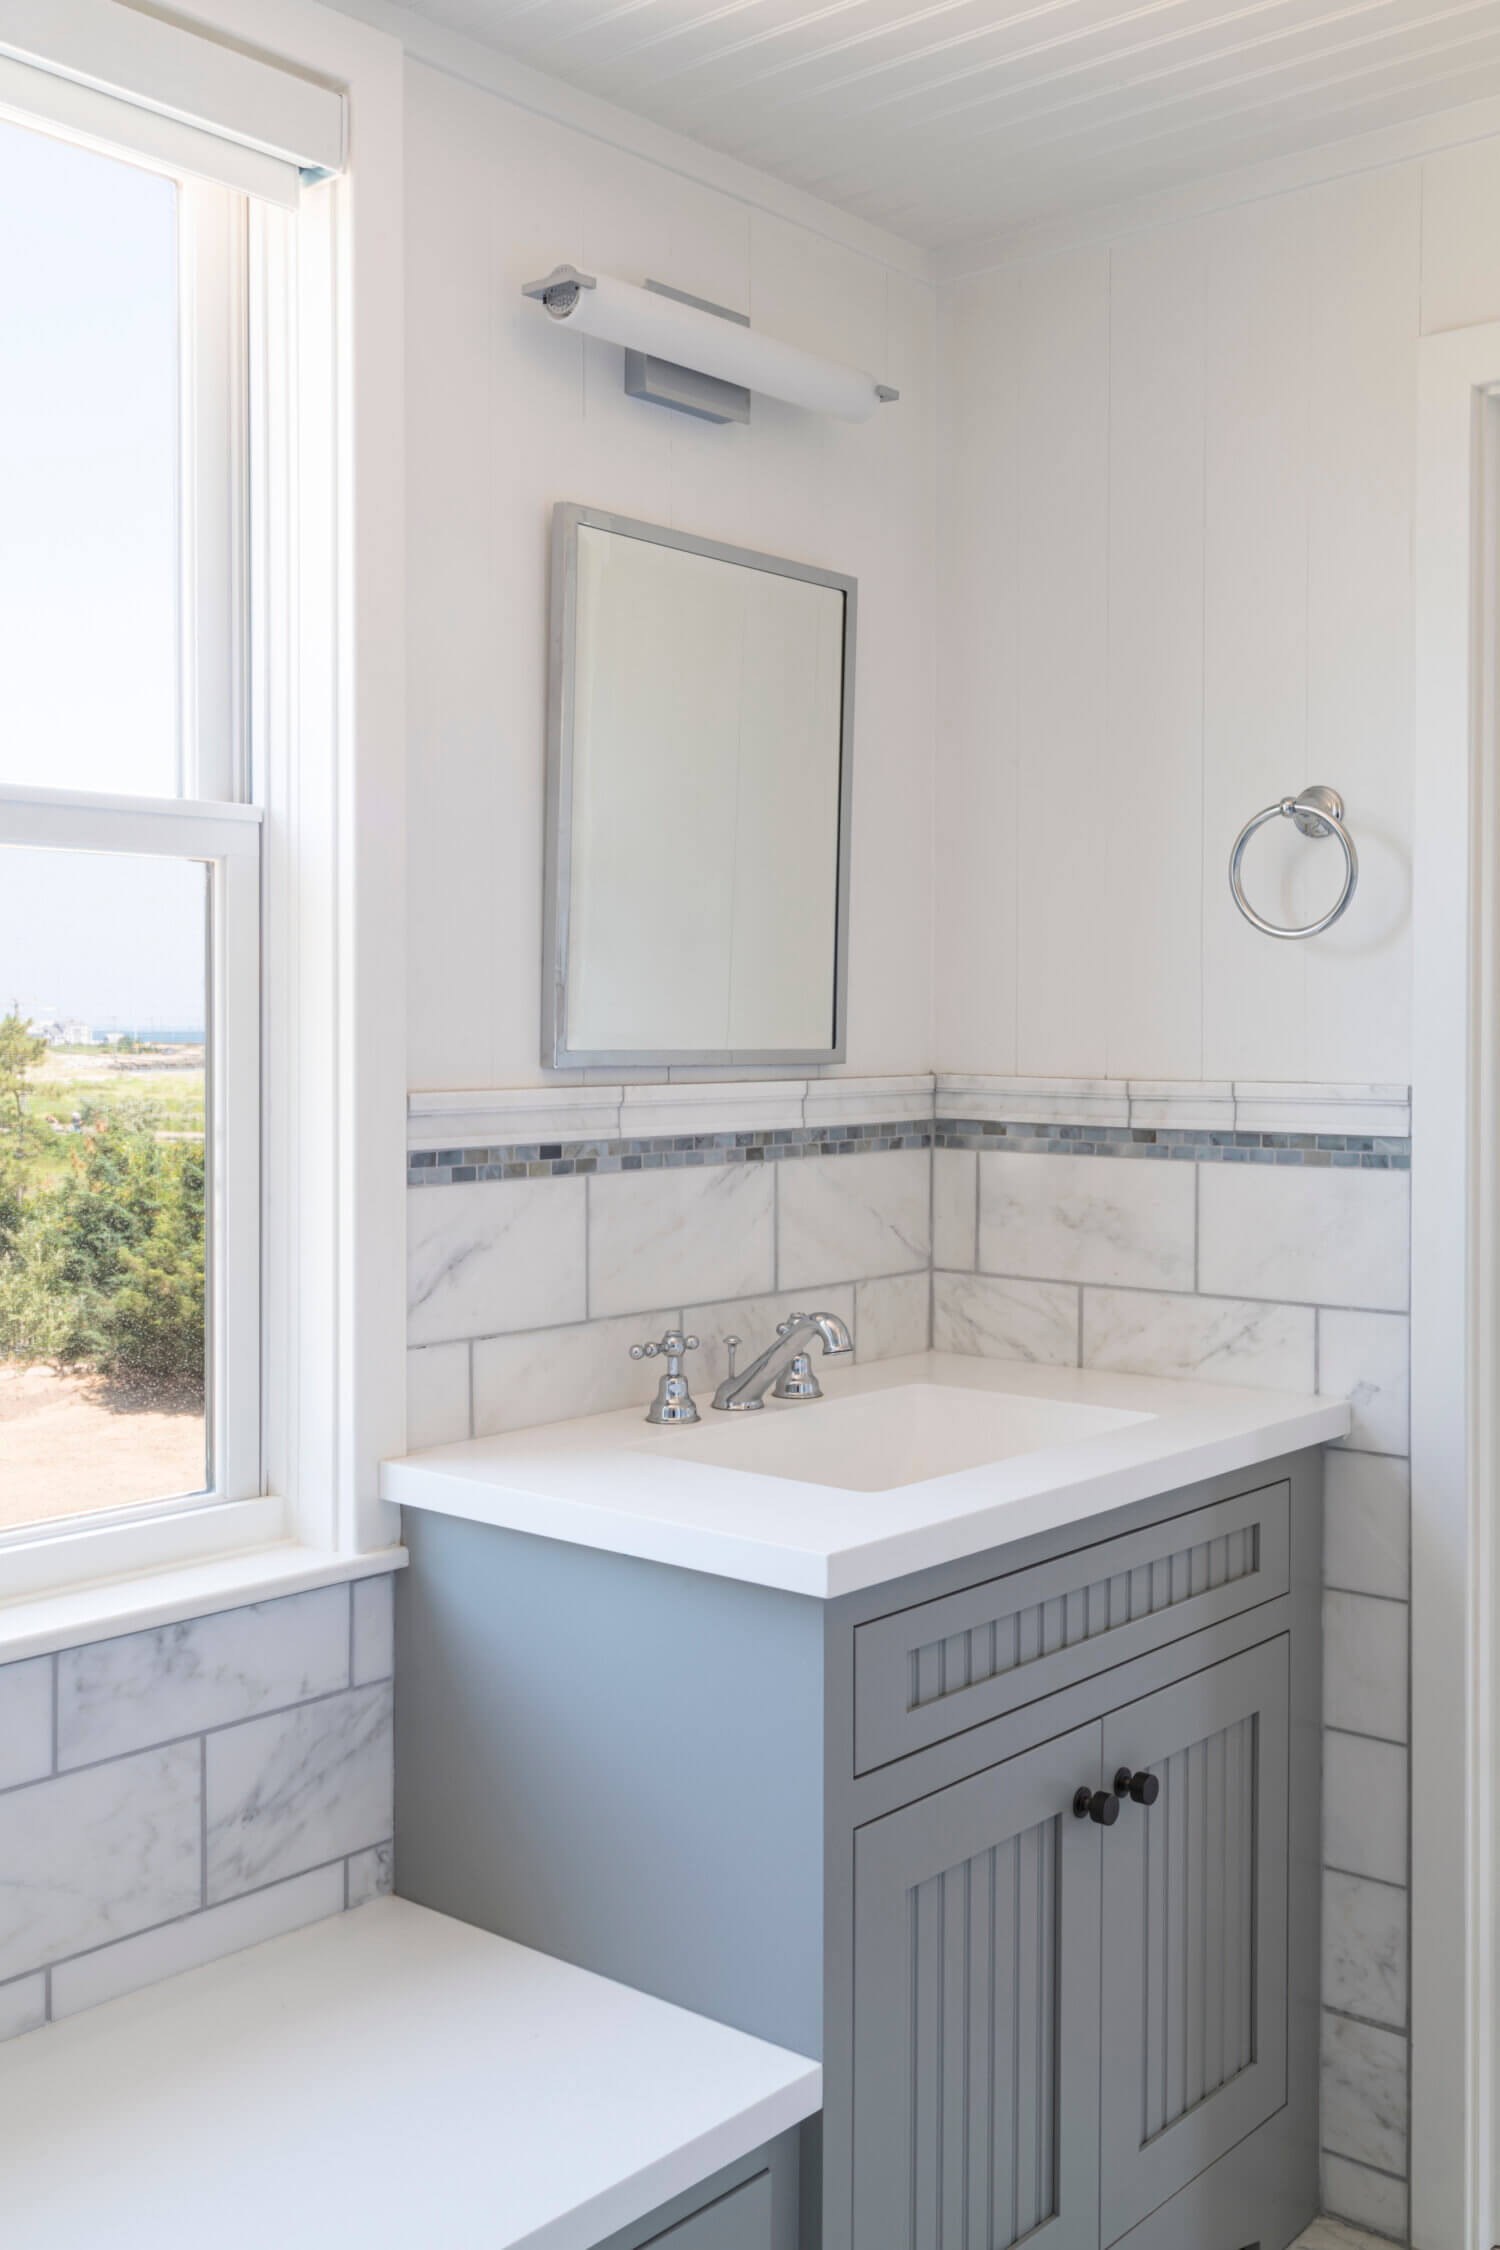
1097,1805
1140,1788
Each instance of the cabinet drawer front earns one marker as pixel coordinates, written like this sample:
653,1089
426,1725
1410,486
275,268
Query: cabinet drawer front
976,2012
740,2220
1193,2004
932,1671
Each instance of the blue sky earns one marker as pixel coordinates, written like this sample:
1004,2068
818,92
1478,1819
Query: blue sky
88,574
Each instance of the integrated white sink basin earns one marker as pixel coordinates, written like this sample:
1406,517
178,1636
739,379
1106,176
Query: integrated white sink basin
876,1440
903,1465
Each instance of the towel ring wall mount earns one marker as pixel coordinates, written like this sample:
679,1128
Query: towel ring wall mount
1316,812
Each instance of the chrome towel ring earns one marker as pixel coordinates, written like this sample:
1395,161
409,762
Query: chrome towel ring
1317,812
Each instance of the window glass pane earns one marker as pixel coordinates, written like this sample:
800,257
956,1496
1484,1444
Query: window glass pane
103,990
88,470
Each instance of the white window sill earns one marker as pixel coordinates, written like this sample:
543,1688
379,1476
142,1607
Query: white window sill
36,1624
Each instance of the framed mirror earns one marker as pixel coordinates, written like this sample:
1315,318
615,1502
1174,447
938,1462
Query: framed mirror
701,703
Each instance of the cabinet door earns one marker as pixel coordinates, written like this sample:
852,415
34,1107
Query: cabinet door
976,2012
1193,2017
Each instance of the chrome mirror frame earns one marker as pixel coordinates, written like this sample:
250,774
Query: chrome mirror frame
567,518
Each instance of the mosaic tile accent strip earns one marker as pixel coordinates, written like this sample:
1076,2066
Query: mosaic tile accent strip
538,1160
1336,1151
661,1152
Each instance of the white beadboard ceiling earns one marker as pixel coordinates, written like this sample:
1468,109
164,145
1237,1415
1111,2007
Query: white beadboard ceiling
959,118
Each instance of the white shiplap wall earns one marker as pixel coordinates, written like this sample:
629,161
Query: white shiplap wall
1176,583
1179,464
507,415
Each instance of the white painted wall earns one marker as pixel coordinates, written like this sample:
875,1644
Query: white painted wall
507,415
1175,574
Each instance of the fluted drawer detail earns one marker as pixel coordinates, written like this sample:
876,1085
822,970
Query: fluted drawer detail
1199,1953
931,1671
1022,1636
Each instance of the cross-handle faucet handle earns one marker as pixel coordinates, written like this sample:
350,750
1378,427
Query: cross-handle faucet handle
674,1401
673,1345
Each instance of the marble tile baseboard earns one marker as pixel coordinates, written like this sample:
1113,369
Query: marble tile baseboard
171,1795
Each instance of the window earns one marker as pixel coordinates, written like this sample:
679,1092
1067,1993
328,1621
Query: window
130,883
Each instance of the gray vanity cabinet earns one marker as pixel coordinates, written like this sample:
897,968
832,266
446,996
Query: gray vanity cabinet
1059,2024
850,1827
1193,1964
976,2011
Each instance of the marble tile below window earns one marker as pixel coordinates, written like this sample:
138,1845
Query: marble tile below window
985,1317
25,1721
555,1374
119,1695
293,1790
97,1855
892,1317
437,1395
1366,1524
1209,1339
1364,1949
1364,2093
373,1629
138,1961
1364,1357
1368,2200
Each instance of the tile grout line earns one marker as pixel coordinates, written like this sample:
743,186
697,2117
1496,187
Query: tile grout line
1366,2023
193,1734
197,1913
1356,1875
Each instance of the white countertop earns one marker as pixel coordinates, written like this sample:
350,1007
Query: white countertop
674,1496
386,2079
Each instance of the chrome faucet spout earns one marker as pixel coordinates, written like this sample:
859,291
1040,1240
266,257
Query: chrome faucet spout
785,1362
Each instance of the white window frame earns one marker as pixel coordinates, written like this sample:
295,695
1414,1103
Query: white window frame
326,744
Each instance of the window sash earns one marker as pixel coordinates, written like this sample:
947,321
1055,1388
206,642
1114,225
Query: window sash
227,838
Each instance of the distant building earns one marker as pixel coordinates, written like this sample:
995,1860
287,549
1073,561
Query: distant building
66,1031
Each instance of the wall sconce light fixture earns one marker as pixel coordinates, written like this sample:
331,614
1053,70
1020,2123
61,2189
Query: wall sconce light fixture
700,358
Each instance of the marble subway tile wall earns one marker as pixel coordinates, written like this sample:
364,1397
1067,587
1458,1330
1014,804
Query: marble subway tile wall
527,1292
1286,1272
172,1795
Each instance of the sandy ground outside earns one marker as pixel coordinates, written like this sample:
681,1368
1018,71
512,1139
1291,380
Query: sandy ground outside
70,1444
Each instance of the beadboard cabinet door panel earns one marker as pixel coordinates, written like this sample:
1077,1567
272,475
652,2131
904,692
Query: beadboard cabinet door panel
976,2012
1194,1963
